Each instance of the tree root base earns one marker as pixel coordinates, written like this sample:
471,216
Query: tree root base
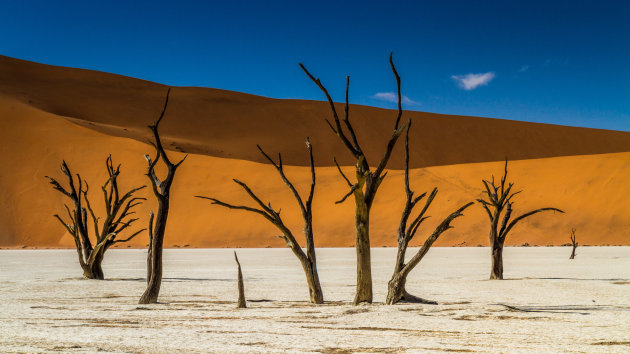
408,298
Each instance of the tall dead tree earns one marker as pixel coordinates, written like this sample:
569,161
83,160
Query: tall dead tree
367,181
118,208
406,231
241,288
499,210
161,189
573,244
307,259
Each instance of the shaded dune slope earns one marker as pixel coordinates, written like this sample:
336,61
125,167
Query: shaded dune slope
38,128
229,124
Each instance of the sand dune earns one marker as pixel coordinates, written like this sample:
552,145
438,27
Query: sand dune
229,124
41,105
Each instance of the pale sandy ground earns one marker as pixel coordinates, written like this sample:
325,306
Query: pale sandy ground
578,306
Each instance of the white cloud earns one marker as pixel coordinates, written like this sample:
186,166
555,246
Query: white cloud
523,68
471,81
392,97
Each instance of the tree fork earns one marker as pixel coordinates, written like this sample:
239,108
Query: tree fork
367,181
406,231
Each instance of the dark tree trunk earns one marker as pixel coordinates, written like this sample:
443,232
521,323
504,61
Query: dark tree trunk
496,271
149,264
150,295
396,288
95,270
315,293
362,246
161,189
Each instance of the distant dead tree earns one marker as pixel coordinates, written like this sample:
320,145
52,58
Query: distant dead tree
161,189
499,200
573,243
241,288
367,182
396,287
118,208
308,259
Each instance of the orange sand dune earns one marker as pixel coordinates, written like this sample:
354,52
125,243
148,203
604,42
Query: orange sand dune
229,124
592,189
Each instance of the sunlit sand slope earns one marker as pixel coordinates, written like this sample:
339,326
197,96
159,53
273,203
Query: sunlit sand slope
592,189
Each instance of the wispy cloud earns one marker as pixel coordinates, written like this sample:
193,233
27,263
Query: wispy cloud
392,97
523,68
471,81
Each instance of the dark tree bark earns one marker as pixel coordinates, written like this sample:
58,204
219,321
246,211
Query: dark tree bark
396,287
161,189
499,207
367,181
573,244
307,259
241,288
118,208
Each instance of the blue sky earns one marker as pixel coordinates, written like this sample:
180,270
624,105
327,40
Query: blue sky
561,62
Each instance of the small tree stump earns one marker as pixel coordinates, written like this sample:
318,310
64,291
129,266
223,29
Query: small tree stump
241,288
573,243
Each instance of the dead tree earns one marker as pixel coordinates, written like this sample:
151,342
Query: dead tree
573,243
118,208
367,181
241,288
396,287
308,259
500,201
161,189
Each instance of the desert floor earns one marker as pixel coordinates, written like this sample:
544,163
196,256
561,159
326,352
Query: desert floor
556,305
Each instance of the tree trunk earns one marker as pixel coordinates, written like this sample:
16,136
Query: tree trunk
395,289
573,251
315,293
150,253
364,269
97,269
94,270
396,285
150,295
396,292
497,260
